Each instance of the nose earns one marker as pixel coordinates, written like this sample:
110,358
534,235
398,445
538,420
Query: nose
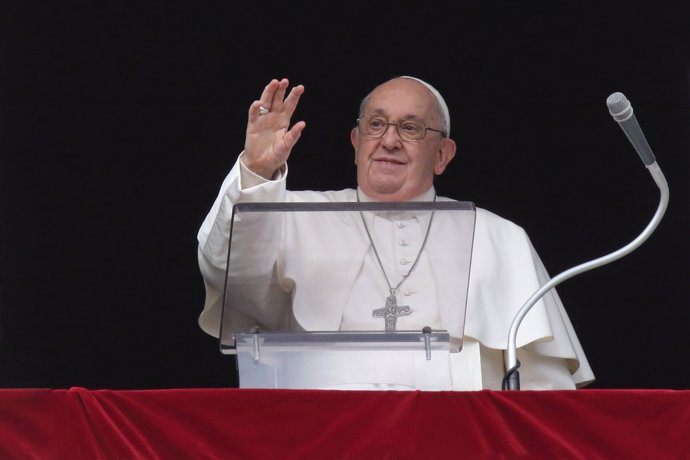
391,138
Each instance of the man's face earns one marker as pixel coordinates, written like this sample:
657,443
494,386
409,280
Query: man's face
388,168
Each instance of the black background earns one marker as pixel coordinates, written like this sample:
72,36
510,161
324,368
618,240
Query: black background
119,122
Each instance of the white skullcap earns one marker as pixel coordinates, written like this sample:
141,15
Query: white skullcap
439,98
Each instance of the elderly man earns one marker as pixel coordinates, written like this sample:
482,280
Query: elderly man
401,143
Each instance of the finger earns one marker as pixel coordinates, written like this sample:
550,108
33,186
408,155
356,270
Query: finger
276,103
291,101
268,93
264,103
293,135
256,109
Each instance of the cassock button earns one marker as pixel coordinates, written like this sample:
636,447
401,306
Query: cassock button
401,224
402,243
404,261
408,292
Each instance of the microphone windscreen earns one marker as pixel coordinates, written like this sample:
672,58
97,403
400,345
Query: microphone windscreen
619,106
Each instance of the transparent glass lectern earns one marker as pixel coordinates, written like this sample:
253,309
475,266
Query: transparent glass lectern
306,304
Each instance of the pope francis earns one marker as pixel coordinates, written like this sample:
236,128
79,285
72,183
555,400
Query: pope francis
401,142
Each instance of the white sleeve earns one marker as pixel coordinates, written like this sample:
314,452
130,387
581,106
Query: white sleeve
240,185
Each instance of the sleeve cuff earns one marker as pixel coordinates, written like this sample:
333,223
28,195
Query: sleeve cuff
249,178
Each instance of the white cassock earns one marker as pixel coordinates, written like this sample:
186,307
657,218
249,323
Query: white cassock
505,272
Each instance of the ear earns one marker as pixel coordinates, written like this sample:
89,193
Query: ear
445,154
354,139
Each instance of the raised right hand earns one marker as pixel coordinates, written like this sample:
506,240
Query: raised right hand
270,138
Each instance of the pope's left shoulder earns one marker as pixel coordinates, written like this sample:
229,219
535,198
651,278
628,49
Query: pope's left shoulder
490,219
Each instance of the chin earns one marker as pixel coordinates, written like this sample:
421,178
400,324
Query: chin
385,188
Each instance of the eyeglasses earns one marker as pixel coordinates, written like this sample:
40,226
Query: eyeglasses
408,130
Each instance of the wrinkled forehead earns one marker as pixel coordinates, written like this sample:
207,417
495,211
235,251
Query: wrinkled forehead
409,95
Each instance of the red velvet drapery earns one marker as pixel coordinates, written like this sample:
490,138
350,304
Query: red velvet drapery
302,424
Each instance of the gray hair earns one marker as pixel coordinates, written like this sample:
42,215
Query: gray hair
442,106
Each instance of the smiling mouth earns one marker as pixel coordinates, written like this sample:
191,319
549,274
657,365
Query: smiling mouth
388,161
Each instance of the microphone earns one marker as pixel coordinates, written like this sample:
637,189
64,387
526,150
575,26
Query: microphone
622,112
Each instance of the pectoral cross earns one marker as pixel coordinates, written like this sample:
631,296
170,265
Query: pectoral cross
391,312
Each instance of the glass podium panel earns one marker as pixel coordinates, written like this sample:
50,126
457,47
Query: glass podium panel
308,276
344,360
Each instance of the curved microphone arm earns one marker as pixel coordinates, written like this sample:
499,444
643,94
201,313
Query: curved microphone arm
511,381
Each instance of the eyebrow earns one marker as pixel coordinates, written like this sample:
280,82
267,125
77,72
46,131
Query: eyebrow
410,116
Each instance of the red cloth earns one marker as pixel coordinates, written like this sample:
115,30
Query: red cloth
303,424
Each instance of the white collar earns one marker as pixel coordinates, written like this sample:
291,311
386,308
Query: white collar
426,196
423,217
